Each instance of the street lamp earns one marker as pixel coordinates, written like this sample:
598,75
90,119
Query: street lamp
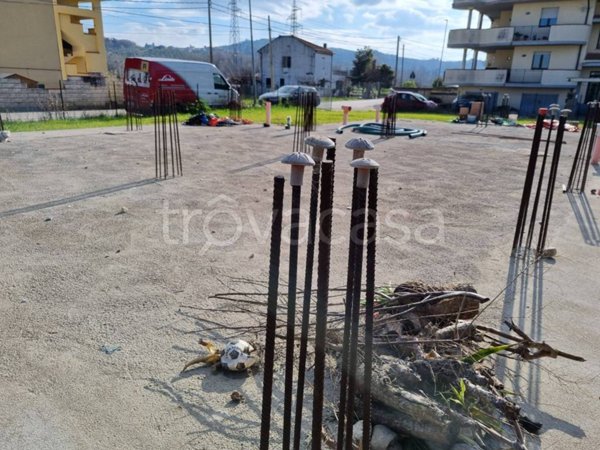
443,46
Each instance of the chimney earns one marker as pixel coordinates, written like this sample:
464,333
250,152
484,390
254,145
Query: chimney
325,45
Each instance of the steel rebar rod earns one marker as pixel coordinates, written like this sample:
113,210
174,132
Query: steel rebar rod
347,317
323,265
580,146
308,276
588,156
538,191
551,182
178,143
271,324
535,147
156,140
358,239
171,108
369,305
291,316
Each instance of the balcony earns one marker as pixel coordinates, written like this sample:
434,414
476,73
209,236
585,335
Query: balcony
506,37
511,77
491,37
524,76
488,77
553,35
592,59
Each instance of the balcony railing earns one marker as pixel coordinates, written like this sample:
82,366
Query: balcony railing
501,77
524,35
524,76
491,37
531,34
489,77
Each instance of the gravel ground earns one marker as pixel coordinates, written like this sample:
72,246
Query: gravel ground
98,253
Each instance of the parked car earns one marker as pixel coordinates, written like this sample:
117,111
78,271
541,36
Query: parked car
465,100
411,101
288,95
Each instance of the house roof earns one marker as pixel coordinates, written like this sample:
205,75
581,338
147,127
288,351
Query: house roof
315,47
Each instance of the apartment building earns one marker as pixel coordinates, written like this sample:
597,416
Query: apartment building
48,41
536,52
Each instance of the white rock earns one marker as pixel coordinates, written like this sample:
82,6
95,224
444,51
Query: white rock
357,431
382,437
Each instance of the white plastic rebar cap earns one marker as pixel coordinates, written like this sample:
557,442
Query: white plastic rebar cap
359,143
319,141
298,159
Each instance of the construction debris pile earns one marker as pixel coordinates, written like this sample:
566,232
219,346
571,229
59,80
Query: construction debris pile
433,377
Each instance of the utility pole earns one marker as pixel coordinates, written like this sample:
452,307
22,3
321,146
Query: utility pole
396,66
402,67
252,50
210,33
271,55
443,45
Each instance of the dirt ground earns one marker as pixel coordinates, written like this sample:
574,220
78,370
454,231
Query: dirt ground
97,256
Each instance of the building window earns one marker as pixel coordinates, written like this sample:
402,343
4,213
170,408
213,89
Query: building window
541,60
549,17
286,62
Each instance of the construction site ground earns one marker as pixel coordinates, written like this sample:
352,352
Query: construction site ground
99,261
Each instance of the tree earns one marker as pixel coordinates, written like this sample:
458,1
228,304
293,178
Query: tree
409,84
438,82
386,75
362,66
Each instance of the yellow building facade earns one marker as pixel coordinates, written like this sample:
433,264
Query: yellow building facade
48,41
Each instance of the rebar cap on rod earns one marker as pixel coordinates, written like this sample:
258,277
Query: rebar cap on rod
298,161
565,112
359,146
319,145
364,167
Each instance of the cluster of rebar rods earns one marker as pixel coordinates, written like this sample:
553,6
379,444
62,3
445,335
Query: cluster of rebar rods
319,239
389,109
166,135
522,241
363,183
585,147
133,112
235,108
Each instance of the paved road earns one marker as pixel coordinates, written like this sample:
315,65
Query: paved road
357,105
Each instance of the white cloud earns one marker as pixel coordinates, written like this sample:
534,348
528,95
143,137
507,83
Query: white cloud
349,24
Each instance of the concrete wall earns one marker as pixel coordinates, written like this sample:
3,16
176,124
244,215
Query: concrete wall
78,94
562,57
32,35
569,12
29,44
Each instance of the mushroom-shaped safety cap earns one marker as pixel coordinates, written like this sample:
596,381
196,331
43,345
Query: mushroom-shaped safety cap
298,159
565,112
318,141
359,143
319,144
364,166
359,146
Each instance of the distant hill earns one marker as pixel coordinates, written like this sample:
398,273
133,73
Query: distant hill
426,70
